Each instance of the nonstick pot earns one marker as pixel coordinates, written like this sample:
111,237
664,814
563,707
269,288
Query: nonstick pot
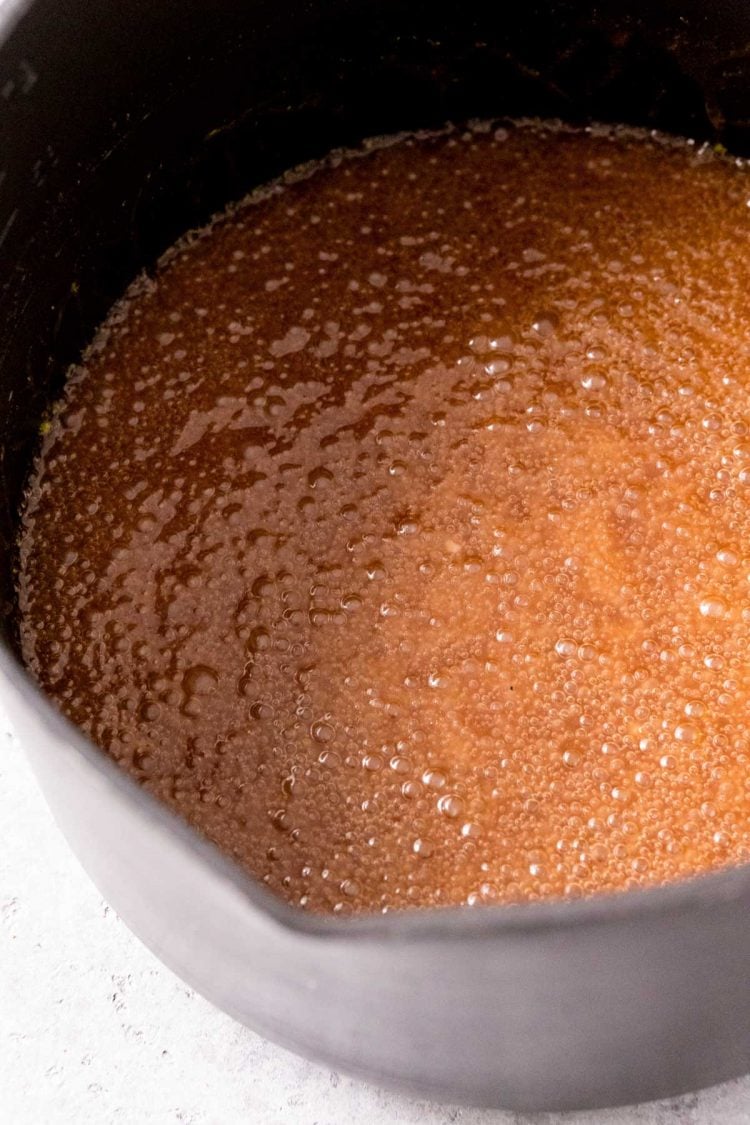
122,124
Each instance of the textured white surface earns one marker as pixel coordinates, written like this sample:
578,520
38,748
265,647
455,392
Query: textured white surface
94,1029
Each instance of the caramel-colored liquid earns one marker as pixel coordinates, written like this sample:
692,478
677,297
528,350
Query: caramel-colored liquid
397,533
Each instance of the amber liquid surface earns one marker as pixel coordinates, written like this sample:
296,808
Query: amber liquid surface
397,532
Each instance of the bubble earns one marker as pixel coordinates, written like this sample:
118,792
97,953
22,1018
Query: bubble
149,711
261,587
596,353
261,711
199,680
501,344
450,805
423,848
566,647
594,381
434,779
498,366
545,325
322,731
259,639
407,528
142,760
713,607
387,609
280,819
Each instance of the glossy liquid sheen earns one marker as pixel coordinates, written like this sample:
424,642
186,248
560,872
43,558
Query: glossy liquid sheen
397,532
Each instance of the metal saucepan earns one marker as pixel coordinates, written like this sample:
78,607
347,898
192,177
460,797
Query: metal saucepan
121,125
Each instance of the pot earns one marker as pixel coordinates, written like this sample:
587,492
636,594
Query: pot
123,124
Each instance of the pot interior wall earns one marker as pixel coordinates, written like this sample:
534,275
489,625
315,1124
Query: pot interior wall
124,124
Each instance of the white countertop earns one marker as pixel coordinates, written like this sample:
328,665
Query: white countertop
94,1029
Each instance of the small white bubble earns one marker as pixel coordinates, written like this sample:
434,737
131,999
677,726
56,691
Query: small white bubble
544,326
566,647
322,731
713,607
594,381
450,805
